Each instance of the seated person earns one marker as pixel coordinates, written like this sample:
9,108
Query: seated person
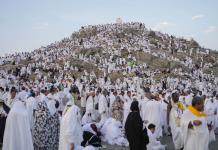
113,133
153,144
91,135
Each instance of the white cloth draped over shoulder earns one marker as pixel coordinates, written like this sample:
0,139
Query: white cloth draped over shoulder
209,109
216,116
174,122
152,114
71,130
17,132
126,108
103,108
196,138
90,105
112,132
31,104
87,118
103,105
153,143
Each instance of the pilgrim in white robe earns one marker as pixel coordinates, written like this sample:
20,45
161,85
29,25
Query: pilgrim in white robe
216,109
112,132
83,98
126,108
22,95
153,143
164,114
31,104
71,129
90,106
112,99
17,134
196,138
87,118
103,108
174,122
142,105
152,114
209,109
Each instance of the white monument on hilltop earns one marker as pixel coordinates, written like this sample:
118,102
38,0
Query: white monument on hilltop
119,21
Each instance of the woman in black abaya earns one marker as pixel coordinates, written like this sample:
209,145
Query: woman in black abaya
136,135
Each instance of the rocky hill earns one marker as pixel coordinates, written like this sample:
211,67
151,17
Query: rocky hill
92,46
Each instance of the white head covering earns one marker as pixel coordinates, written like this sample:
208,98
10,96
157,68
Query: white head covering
17,132
87,118
71,129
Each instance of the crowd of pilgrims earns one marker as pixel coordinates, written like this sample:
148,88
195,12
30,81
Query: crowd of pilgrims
111,39
72,113
77,113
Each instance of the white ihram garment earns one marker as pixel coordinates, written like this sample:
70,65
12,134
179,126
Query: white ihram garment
17,134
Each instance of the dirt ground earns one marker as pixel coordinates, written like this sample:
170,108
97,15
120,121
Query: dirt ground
165,140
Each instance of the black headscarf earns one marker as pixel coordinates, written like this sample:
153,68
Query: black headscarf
135,106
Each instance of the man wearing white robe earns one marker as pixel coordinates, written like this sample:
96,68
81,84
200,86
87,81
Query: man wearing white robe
87,118
210,110
71,130
31,104
195,133
103,107
174,122
142,105
17,134
90,107
23,94
126,106
164,103
216,110
152,114
112,98
188,97
83,97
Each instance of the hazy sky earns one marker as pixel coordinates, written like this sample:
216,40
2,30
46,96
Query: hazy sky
29,24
